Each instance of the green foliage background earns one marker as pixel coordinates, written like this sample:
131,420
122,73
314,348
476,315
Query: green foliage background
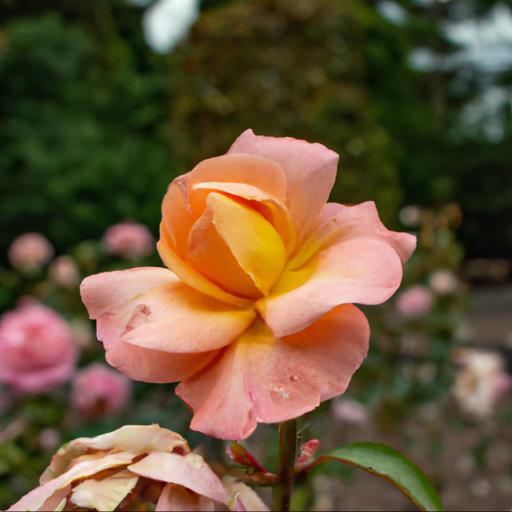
94,125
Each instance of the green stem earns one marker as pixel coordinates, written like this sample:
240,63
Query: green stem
282,492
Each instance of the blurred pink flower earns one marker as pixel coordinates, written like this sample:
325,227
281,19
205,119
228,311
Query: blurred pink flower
481,381
129,240
98,390
414,302
351,411
443,282
49,439
135,468
37,347
64,272
29,252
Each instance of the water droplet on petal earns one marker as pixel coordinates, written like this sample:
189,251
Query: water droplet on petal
279,393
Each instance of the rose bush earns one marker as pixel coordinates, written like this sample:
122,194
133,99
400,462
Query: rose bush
255,316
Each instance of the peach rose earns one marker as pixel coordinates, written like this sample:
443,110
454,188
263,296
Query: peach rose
133,468
37,349
98,390
256,318
128,240
29,252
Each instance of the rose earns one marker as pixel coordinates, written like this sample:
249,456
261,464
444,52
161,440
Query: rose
256,321
29,252
64,272
414,302
37,349
128,240
97,390
443,282
481,382
134,468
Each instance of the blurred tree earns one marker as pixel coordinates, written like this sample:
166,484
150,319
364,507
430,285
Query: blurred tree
283,68
482,132
83,132
442,100
85,107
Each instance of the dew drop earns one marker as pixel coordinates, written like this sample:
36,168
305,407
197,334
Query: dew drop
280,394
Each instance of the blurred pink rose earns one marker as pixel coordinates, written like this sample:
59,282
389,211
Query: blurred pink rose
98,390
129,240
37,347
351,411
443,282
64,272
29,252
49,439
481,381
414,302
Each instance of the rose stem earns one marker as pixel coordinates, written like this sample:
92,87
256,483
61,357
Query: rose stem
281,493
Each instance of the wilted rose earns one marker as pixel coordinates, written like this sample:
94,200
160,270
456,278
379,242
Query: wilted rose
134,468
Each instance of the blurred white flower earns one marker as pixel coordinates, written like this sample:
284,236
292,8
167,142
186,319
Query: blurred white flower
410,216
443,282
392,12
481,381
167,22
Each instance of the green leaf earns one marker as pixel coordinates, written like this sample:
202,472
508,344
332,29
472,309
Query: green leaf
391,465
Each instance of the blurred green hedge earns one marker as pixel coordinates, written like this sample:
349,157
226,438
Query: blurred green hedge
94,125
83,135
